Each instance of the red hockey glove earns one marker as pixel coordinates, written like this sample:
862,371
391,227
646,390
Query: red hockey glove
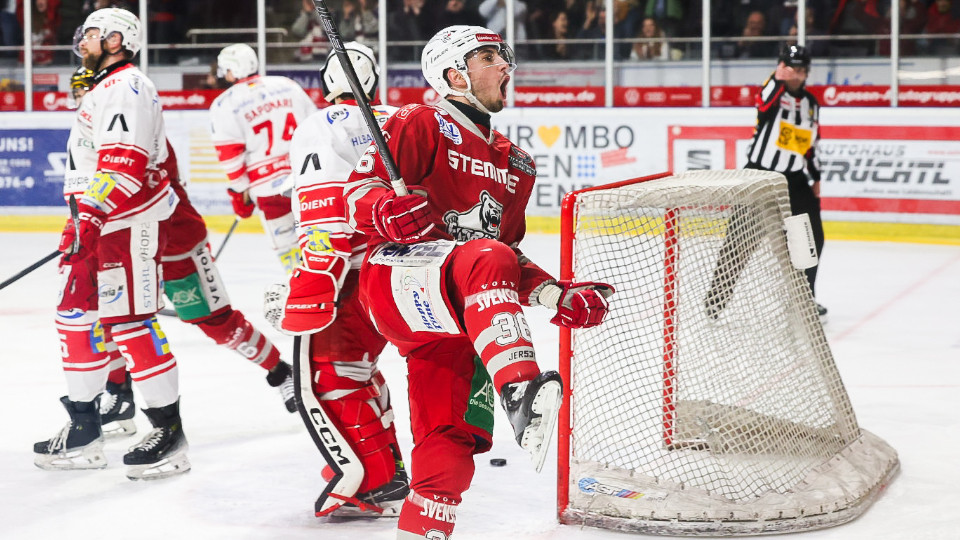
306,305
404,219
582,305
91,223
243,207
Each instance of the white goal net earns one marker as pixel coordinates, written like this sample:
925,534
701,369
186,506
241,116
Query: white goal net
708,402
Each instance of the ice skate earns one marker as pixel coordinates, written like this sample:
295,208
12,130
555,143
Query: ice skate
822,312
79,445
163,452
532,407
384,501
281,378
117,409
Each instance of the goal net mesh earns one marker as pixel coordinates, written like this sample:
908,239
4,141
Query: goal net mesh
709,395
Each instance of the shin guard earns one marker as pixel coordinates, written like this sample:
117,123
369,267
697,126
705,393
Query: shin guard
152,365
85,355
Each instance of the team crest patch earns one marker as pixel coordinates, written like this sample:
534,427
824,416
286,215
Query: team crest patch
337,115
318,240
481,221
449,129
522,161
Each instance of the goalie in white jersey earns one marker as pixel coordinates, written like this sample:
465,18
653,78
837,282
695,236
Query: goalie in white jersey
110,270
338,386
252,124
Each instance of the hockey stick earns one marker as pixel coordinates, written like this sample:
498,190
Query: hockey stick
223,244
170,312
75,216
399,187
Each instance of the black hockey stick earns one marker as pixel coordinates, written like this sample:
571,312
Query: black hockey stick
170,312
75,216
334,36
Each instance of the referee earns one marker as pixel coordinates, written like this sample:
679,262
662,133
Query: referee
786,137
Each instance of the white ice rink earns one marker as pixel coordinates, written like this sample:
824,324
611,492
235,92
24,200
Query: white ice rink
894,330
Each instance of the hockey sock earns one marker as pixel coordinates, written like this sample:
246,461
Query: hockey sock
152,365
425,517
232,330
86,361
487,274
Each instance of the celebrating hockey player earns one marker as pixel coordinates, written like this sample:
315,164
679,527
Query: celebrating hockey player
194,286
444,278
341,390
110,284
253,122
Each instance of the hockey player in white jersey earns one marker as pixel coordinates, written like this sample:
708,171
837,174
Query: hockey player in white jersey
252,124
339,387
110,285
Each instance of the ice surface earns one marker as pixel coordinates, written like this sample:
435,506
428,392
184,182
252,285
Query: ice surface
894,330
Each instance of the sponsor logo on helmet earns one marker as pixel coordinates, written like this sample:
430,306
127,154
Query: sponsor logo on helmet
489,38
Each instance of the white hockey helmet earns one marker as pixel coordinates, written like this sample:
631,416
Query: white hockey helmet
239,58
108,21
449,49
333,79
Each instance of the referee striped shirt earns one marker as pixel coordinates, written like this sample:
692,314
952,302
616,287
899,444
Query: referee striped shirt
788,130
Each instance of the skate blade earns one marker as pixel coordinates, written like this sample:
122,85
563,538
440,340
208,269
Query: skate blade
165,468
391,509
536,438
119,429
87,457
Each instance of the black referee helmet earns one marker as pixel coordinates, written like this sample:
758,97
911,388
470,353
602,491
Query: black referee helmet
795,56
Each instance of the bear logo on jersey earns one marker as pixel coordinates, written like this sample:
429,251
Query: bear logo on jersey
449,130
481,221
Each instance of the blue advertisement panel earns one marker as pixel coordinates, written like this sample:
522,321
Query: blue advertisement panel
32,163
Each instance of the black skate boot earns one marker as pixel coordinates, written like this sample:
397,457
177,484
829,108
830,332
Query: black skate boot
281,377
79,445
532,408
384,501
117,410
163,452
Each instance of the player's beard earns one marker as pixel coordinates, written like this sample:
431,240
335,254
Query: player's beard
92,61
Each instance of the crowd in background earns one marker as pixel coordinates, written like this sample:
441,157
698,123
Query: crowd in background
545,29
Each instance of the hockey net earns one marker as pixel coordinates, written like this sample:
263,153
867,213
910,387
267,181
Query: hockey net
708,402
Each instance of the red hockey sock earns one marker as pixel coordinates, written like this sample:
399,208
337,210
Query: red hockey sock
152,365
422,515
234,331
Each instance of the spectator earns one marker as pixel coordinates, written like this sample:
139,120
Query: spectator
595,28
856,17
9,27
45,23
495,12
755,26
559,32
412,23
816,47
576,13
668,14
942,19
457,12
651,50
165,26
357,22
913,18
308,29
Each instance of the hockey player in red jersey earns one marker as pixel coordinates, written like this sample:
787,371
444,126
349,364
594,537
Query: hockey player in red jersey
343,398
252,123
444,278
111,283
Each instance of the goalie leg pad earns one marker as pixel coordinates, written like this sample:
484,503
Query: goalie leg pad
233,331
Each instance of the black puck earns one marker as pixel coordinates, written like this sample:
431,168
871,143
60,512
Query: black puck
498,462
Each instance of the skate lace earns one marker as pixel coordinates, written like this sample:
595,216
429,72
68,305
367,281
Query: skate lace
151,441
59,441
107,402
286,389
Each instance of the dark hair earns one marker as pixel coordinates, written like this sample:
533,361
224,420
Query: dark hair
795,56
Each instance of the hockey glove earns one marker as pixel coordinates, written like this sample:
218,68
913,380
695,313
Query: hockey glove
91,223
578,305
306,305
402,218
243,207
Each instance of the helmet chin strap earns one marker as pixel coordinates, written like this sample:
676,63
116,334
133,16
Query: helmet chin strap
468,94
